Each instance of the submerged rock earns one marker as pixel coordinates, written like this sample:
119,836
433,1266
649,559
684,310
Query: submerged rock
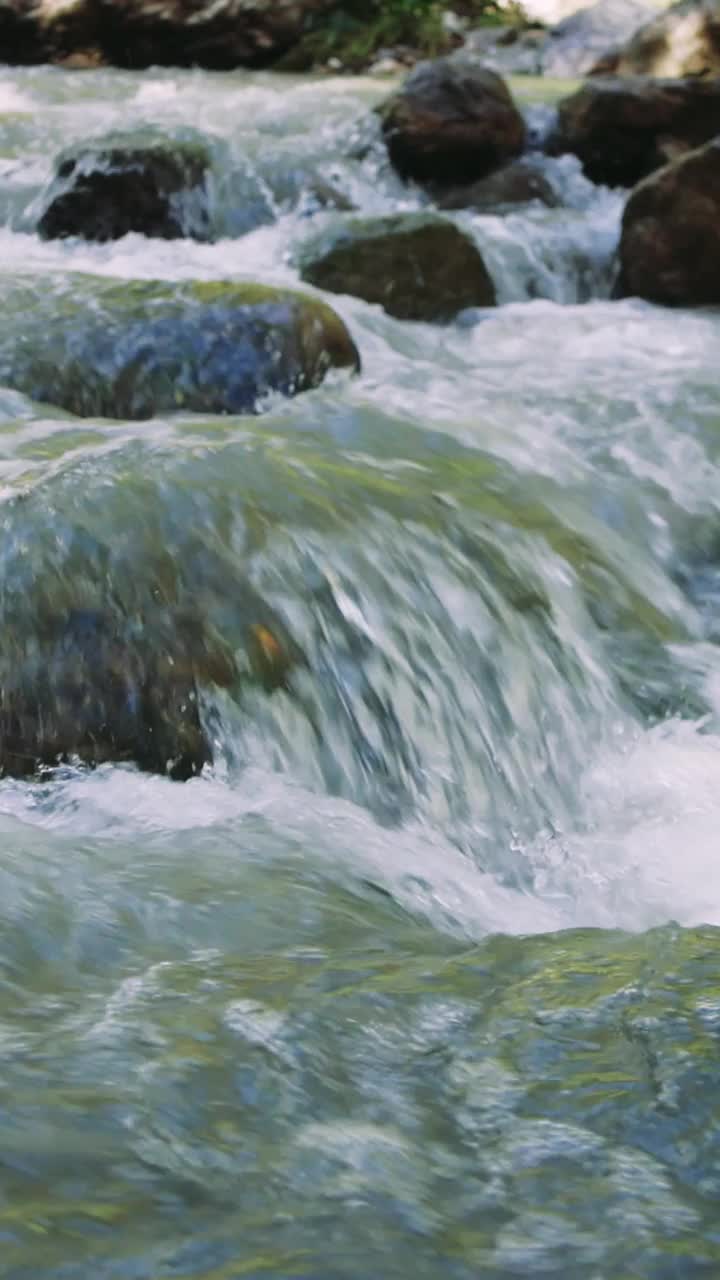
104,657
418,267
670,242
623,129
452,121
81,687
135,349
684,41
104,190
518,183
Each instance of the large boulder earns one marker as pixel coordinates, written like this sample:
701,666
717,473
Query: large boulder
452,121
574,46
623,129
670,243
684,41
218,34
112,186
417,267
522,182
134,349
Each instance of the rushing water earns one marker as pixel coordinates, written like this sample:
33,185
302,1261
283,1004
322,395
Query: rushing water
423,977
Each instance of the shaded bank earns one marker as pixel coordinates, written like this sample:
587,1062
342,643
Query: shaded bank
295,34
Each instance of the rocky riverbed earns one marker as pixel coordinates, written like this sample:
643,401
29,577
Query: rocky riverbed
359,680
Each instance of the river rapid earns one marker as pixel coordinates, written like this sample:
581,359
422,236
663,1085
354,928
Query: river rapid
422,978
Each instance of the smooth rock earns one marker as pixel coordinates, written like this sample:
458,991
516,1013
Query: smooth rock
670,243
416,267
135,349
105,190
624,129
453,120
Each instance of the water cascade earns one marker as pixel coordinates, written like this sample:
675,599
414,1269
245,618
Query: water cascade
421,975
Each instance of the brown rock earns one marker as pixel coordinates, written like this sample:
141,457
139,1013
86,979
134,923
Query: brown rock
453,121
670,243
622,130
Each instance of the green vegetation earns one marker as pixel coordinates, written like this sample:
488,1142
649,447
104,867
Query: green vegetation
356,30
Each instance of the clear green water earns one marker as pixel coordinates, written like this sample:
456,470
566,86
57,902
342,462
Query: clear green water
423,978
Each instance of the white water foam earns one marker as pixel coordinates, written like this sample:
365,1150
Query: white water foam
645,849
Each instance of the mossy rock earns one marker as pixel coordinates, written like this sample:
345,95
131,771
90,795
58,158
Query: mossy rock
418,267
136,349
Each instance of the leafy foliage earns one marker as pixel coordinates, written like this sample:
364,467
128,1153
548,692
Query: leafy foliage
357,29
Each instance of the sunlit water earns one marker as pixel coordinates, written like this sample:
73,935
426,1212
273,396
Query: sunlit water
423,977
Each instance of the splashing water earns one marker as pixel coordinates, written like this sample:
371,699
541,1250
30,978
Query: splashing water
423,974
